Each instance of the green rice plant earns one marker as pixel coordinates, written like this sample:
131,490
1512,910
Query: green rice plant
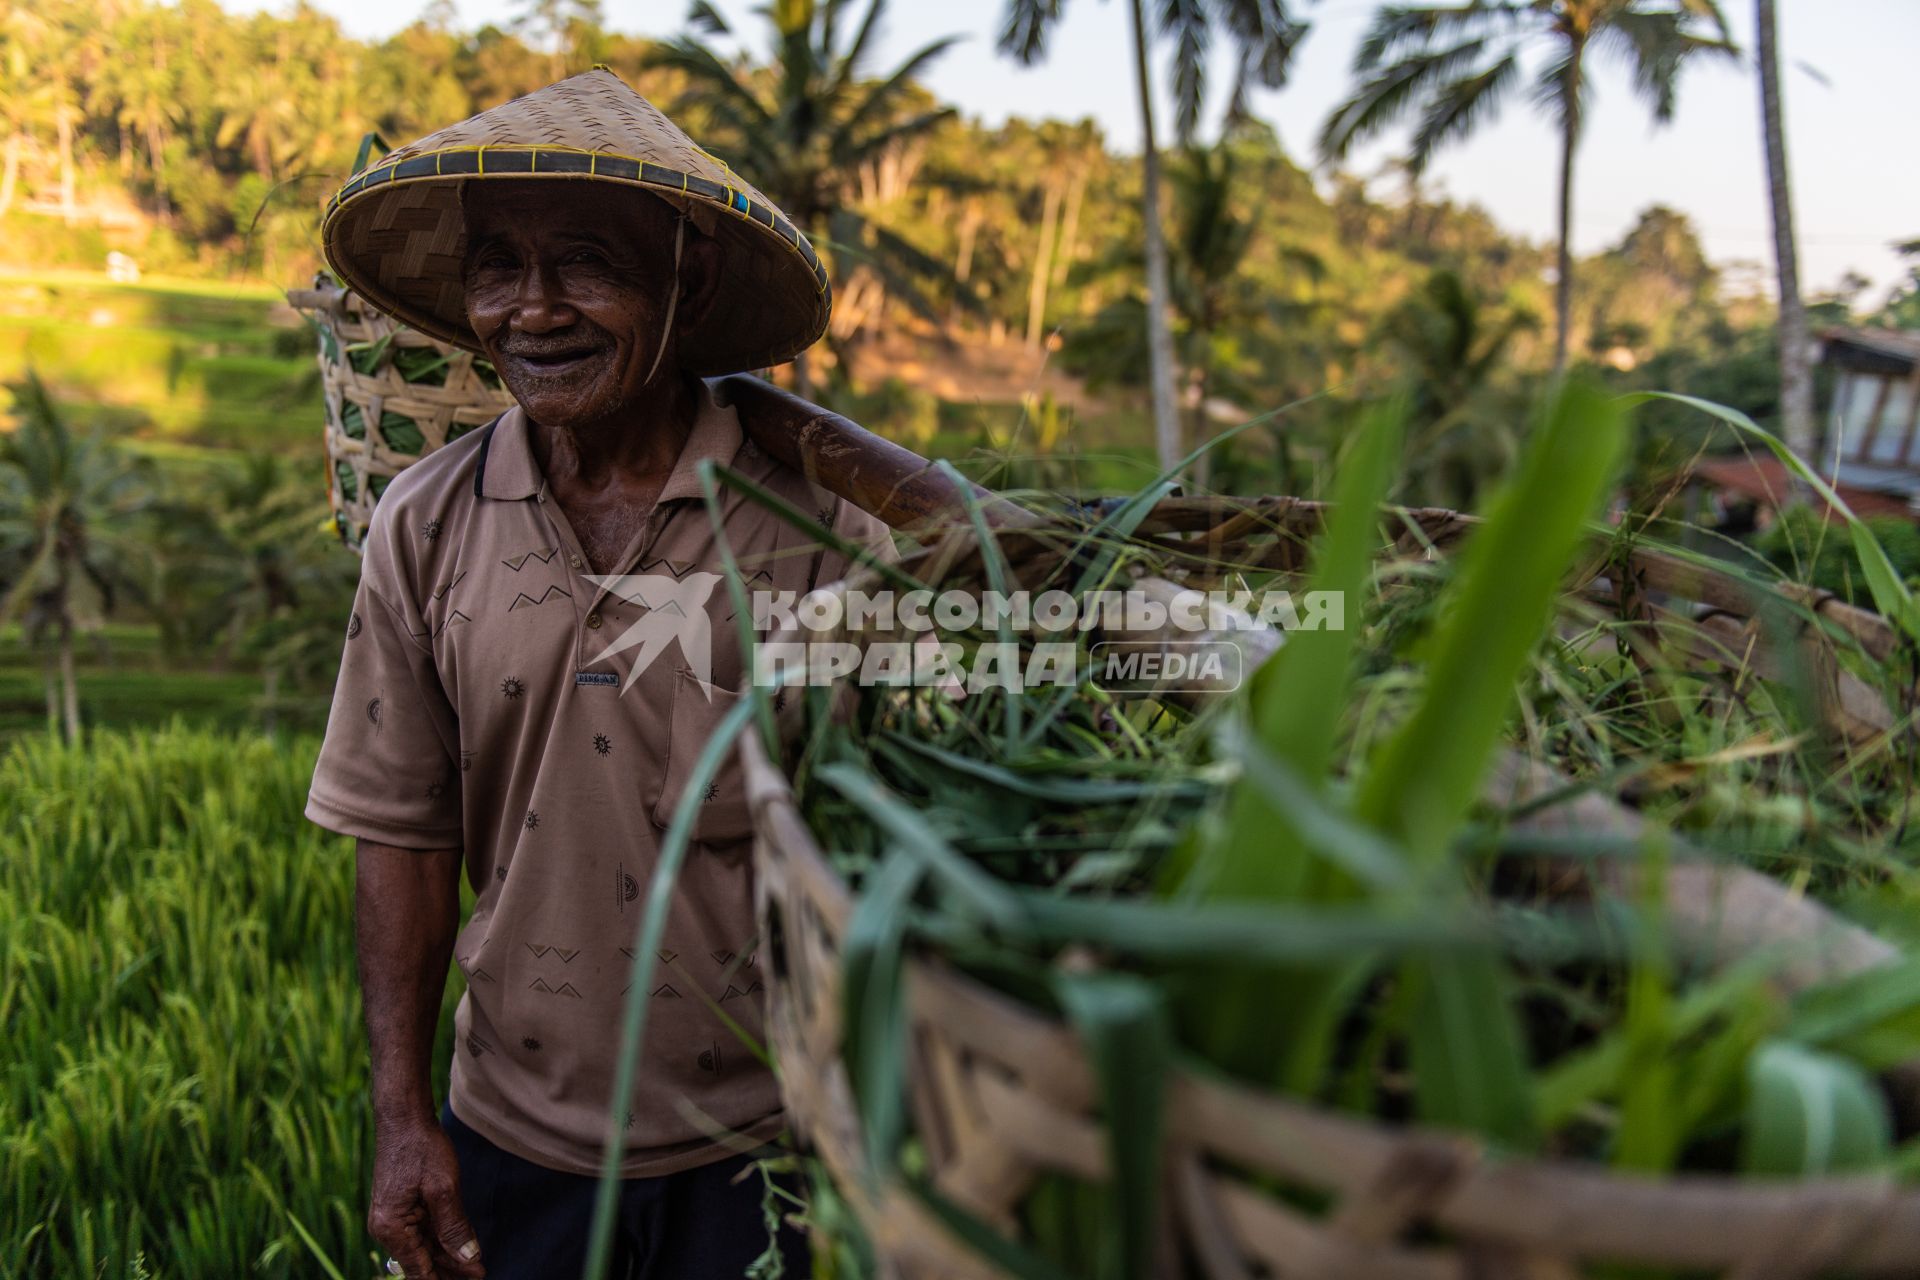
183,1082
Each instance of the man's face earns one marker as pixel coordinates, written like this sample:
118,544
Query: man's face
567,291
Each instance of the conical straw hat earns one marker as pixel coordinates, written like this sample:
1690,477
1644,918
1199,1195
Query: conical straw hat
395,234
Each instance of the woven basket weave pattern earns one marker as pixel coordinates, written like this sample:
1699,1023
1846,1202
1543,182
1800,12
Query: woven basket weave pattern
1000,1095
440,413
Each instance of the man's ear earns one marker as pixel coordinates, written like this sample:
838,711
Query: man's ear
699,276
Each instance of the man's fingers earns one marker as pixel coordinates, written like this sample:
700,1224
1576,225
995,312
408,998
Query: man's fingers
452,1230
400,1236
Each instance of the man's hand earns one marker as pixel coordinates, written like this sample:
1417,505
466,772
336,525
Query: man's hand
415,1214
407,907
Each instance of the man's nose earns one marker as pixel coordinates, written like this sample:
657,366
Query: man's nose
541,305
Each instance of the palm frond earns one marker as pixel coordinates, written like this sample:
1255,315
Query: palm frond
1401,29
1655,45
1185,23
1381,99
856,54
712,79
1024,30
703,17
1457,106
1267,33
883,98
860,150
1560,90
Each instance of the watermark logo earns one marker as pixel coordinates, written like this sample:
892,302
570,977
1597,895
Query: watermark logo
675,610
1140,641
1124,641
1148,666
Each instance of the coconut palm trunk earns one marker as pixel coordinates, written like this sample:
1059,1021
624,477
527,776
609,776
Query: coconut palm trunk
1043,265
1796,373
69,685
1166,420
1563,270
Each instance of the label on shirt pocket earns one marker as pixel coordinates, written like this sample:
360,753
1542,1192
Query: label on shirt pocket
723,815
596,677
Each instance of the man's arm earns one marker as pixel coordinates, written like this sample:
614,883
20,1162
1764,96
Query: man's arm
406,911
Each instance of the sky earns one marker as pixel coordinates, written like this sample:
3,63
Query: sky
1848,86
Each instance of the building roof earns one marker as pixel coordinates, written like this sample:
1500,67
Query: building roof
1764,480
1888,351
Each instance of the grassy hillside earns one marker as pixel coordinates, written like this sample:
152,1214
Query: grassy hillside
228,366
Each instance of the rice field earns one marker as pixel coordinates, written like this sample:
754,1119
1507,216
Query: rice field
183,1083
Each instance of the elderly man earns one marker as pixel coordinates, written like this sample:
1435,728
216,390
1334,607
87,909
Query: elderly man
536,655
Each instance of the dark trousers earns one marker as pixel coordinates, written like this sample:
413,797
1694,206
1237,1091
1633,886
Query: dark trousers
699,1224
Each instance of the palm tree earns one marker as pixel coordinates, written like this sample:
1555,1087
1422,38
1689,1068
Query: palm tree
804,126
1264,36
1796,375
251,572
70,545
1456,63
1449,346
1218,304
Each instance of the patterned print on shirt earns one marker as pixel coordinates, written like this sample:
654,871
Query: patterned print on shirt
625,890
542,950
353,624
566,989
544,555
373,712
521,600
602,744
476,1046
512,687
710,1060
431,530
532,819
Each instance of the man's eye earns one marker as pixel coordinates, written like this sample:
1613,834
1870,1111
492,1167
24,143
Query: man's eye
587,256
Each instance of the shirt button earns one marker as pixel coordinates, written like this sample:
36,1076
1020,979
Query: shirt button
574,561
593,621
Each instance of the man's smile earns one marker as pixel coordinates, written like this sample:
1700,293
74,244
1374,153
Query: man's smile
550,364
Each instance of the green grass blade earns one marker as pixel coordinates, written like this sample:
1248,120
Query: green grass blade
1810,1113
875,1047
1122,1019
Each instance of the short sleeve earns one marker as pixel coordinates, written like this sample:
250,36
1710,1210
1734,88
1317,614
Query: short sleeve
861,529
387,769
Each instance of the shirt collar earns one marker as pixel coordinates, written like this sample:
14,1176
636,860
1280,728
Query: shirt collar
509,471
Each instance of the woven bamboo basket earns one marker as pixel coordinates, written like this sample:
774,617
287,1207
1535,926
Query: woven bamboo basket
393,396
1001,1094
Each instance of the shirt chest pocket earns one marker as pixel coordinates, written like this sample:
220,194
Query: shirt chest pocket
721,815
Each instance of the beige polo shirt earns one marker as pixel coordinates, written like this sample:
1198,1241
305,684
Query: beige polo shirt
493,697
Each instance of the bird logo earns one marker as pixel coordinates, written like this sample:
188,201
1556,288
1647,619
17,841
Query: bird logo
675,609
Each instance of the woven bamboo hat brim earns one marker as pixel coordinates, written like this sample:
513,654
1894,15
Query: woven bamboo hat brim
395,233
